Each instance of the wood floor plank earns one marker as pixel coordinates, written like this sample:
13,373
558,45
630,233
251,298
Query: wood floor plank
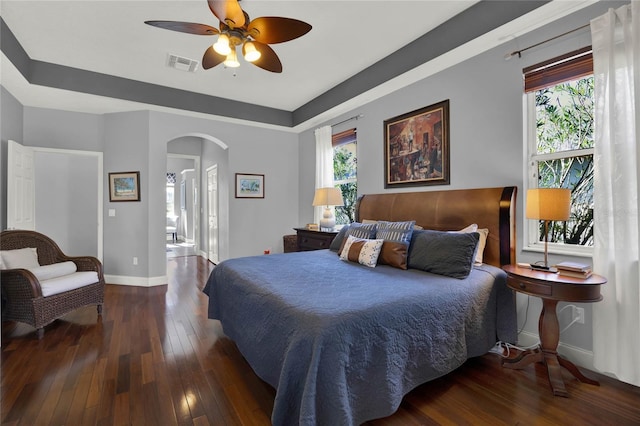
154,358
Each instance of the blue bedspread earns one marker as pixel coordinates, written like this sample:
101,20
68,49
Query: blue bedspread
343,343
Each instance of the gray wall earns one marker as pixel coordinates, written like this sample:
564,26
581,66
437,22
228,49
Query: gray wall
66,201
49,128
11,124
253,224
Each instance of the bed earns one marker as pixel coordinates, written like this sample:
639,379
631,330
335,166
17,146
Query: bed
341,342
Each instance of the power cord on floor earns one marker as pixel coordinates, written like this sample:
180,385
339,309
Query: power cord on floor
503,349
526,315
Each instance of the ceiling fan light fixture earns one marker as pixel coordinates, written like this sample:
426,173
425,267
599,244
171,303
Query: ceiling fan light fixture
232,60
222,45
249,51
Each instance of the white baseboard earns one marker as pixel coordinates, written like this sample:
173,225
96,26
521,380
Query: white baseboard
578,356
136,281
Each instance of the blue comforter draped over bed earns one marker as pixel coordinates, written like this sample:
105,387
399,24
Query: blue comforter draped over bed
343,343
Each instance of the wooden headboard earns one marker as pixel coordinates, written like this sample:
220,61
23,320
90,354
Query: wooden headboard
491,208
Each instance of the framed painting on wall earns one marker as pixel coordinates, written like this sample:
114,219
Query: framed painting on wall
124,186
249,185
416,147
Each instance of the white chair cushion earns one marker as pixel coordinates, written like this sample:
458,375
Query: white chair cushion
54,270
68,282
25,258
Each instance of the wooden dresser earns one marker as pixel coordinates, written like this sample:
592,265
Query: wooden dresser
314,240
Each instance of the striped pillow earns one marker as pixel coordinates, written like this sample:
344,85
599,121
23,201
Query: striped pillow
397,237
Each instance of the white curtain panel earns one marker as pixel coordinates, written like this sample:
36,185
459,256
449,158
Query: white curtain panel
324,165
616,62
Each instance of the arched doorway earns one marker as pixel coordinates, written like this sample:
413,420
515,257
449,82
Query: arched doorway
212,202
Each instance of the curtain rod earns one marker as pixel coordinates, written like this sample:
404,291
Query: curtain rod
519,52
355,117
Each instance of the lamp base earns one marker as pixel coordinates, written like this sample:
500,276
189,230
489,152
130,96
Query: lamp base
328,221
543,268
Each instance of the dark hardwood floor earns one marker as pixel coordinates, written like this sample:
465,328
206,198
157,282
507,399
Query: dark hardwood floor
155,359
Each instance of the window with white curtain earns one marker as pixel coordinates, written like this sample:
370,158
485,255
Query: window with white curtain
345,174
559,96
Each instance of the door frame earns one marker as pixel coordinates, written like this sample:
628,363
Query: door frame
99,190
216,259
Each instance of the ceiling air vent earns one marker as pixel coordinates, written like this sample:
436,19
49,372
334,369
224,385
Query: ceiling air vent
181,63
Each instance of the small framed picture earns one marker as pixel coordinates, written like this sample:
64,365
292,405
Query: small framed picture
124,186
249,185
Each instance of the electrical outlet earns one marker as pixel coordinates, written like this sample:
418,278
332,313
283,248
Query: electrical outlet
135,260
578,315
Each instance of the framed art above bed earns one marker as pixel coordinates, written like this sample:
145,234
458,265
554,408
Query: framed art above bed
416,147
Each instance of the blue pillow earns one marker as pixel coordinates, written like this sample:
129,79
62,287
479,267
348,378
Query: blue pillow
444,253
337,240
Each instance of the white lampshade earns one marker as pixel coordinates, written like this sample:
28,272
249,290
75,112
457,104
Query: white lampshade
328,197
232,59
222,45
249,51
548,204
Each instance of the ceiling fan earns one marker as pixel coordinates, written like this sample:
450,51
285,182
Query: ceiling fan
236,29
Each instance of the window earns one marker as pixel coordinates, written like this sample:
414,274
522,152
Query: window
345,173
560,105
171,181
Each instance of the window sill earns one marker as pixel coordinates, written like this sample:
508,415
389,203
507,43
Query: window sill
577,251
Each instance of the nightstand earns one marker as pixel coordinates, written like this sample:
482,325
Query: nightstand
314,240
551,288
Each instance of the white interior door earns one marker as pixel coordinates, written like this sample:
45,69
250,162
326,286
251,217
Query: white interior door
20,187
212,212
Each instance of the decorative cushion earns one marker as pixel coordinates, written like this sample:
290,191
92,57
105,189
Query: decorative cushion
68,282
396,236
54,270
444,253
359,230
484,232
25,258
361,250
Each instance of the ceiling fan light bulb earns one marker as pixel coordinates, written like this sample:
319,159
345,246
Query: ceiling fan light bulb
222,45
232,60
250,53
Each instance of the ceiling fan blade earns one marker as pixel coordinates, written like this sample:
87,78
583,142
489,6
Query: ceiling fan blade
184,27
268,59
274,29
228,11
212,58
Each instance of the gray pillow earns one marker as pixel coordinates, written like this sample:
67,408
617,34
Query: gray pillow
444,253
337,241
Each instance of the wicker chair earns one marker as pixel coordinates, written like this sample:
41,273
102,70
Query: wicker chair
21,292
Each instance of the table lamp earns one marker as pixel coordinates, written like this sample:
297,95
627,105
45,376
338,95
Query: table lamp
548,204
328,197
